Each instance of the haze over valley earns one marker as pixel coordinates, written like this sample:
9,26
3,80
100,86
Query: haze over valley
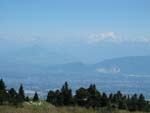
45,43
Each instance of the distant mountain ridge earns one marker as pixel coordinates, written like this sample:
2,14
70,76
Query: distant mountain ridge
123,65
128,65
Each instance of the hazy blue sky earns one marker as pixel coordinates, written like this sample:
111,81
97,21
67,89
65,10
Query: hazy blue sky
85,30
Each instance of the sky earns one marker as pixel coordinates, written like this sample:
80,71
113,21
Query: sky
84,30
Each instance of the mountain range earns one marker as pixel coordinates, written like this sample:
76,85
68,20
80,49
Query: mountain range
128,74
35,63
125,65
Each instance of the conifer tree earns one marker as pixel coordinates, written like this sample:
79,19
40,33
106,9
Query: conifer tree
104,100
21,96
133,103
81,96
58,98
94,96
51,97
122,104
141,103
21,92
66,94
3,93
36,97
27,99
12,96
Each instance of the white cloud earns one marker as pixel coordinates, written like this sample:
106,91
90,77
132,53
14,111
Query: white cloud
94,38
115,38
140,40
104,37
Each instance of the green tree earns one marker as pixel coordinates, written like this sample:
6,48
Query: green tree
67,98
111,97
94,97
133,103
20,98
51,97
141,103
104,100
81,96
21,92
36,97
58,98
3,93
27,99
119,95
12,96
122,104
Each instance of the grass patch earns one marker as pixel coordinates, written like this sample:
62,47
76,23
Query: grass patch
48,108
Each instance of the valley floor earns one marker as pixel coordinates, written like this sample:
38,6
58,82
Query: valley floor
48,108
